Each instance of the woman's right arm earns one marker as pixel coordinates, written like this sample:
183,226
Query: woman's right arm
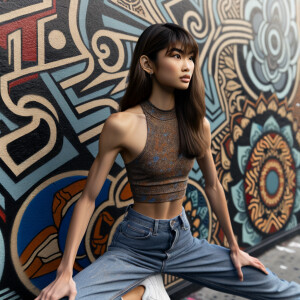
110,144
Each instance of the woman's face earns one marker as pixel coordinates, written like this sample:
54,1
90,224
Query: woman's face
174,68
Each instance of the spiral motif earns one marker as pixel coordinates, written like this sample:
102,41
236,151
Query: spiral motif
194,24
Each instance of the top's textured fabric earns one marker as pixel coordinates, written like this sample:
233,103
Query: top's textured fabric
159,173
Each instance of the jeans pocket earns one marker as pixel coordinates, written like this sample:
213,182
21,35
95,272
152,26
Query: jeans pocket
135,231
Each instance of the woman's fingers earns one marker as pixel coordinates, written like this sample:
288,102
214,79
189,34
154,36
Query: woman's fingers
58,289
259,265
241,259
73,292
41,296
46,292
255,262
240,273
72,296
238,267
237,264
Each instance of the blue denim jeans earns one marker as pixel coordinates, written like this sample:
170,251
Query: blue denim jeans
142,246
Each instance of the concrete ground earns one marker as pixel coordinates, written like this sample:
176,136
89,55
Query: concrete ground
283,259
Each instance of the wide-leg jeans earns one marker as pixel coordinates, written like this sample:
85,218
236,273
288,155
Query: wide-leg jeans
142,246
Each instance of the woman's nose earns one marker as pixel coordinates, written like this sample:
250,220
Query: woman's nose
186,65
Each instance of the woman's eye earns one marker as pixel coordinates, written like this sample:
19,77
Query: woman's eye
176,55
192,58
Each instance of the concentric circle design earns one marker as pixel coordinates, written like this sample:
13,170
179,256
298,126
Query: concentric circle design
272,163
264,169
271,182
271,56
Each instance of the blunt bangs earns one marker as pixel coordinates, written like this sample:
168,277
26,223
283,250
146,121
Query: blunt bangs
167,35
184,38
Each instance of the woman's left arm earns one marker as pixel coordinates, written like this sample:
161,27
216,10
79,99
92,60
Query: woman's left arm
216,196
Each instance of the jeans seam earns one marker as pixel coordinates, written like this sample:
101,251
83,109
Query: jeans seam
135,220
114,238
137,238
229,291
175,239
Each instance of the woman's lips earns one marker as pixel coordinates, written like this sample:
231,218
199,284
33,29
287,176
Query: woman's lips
185,78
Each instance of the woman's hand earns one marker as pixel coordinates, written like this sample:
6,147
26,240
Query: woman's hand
63,285
241,259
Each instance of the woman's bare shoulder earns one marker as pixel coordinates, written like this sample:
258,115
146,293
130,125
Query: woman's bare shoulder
206,126
206,134
122,122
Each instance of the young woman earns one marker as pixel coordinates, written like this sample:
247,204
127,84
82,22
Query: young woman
160,130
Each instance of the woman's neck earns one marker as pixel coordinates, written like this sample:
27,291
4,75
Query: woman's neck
162,97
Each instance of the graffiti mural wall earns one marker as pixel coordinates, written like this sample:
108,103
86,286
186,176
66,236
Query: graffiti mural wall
63,72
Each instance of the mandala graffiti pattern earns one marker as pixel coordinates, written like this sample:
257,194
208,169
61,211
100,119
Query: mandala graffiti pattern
264,186
272,55
270,183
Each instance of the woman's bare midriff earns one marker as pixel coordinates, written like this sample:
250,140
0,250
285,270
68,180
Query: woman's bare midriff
161,210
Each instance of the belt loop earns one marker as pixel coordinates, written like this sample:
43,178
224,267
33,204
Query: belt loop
127,209
182,219
155,227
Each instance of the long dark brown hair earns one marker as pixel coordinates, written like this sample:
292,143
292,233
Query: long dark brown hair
189,103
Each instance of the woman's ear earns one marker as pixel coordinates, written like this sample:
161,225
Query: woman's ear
146,64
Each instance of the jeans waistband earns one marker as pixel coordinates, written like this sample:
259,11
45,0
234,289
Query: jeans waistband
157,224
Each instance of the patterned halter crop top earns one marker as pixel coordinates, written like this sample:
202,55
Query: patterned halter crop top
159,173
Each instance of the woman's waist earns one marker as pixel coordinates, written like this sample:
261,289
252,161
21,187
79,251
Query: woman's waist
160,210
163,224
